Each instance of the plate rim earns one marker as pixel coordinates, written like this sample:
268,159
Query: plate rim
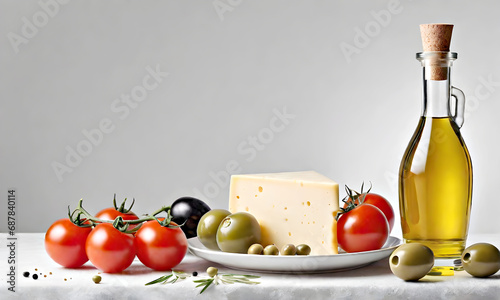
395,243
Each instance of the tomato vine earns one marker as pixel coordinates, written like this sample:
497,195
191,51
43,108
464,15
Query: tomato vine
82,218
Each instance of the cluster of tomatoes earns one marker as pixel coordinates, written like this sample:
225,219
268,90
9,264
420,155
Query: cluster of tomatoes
365,221
111,243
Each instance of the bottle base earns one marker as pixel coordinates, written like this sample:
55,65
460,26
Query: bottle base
447,255
442,249
446,267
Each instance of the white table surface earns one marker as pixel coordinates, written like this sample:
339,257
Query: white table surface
372,282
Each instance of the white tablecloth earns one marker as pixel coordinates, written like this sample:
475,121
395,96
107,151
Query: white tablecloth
372,282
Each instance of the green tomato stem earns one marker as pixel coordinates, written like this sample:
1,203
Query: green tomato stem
119,223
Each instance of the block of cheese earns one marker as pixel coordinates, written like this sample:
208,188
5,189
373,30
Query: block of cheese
292,208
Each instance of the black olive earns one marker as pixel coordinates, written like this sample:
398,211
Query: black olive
195,273
188,210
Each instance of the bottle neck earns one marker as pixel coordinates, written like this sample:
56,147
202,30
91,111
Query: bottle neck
436,90
436,96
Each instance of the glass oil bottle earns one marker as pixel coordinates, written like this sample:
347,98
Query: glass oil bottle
435,177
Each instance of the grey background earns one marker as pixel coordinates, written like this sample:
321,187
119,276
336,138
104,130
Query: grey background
228,74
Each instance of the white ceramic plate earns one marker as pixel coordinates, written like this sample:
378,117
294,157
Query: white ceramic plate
294,264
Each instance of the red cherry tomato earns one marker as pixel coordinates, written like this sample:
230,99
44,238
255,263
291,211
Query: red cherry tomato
363,228
160,248
381,203
111,213
109,249
65,243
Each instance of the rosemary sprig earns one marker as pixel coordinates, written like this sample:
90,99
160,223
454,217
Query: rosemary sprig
171,278
205,283
214,278
226,279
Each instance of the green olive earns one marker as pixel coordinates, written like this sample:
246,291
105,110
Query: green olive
237,232
211,271
481,260
412,261
271,250
288,249
303,249
96,278
208,225
255,249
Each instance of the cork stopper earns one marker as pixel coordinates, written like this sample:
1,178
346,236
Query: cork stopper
436,37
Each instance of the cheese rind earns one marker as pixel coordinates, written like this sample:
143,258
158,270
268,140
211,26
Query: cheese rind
292,208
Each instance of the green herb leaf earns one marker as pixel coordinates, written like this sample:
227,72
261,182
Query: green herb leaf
158,280
171,278
226,279
207,283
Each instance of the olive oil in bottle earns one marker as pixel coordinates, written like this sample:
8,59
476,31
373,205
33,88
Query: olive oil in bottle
435,177
436,187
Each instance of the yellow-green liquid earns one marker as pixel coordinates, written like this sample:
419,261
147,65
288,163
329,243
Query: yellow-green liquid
435,188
